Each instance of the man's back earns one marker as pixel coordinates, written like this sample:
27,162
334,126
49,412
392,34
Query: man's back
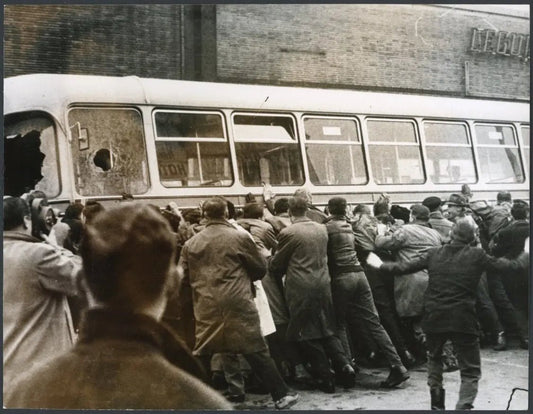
306,244
410,240
341,247
509,241
220,264
119,363
441,224
302,256
36,318
454,273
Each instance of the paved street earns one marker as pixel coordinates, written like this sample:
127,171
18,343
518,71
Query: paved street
502,371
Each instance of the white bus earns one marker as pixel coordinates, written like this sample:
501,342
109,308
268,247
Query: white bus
163,140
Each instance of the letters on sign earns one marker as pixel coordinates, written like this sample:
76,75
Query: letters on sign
500,43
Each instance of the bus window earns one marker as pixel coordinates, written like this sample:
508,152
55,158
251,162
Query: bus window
334,151
525,143
449,153
30,154
108,151
192,149
394,152
267,150
499,161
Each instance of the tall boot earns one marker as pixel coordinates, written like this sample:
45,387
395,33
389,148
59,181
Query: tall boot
437,398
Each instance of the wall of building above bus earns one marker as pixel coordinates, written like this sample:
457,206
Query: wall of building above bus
420,48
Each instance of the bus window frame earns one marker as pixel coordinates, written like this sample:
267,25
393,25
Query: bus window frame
87,105
417,144
189,139
516,146
56,125
295,140
360,142
290,115
469,144
225,139
525,149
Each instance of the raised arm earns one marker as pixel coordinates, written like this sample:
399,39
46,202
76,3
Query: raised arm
59,269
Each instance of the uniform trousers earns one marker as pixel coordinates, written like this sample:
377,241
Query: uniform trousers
353,301
467,348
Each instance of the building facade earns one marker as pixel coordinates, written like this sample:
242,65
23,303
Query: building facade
444,50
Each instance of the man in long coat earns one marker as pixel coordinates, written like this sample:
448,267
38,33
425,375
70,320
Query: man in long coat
302,257
220,263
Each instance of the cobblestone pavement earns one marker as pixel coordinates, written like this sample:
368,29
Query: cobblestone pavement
501,372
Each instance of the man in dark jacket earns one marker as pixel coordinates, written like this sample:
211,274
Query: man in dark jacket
458,208
449,307
365,229
436,219
220,263
125,358
352,297
509,290
302,258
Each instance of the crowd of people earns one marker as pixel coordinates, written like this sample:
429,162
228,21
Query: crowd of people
137,306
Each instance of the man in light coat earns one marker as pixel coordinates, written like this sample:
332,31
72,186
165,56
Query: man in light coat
407,243
37,279
219,264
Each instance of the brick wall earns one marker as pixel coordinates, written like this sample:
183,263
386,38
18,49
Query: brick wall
142,40
416,48
405,47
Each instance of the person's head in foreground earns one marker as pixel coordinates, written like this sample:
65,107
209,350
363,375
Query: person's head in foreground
124,358
127,256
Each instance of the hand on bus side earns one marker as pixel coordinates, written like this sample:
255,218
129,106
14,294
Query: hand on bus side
267,192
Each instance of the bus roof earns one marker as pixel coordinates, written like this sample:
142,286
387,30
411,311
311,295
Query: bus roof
54,92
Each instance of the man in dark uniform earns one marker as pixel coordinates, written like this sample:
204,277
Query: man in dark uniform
449,307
